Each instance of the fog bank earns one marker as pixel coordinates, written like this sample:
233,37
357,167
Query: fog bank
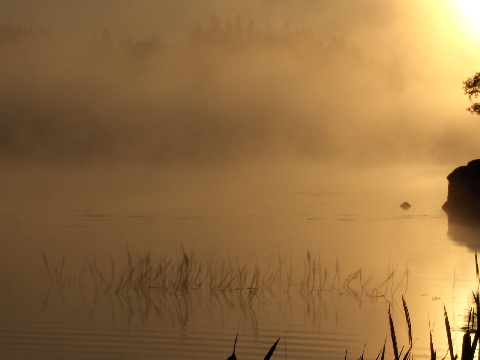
232,90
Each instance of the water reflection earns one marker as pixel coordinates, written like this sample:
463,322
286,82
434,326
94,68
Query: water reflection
150,304
465,234
182,288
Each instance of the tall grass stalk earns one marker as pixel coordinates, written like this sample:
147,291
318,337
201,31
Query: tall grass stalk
182,272
469,346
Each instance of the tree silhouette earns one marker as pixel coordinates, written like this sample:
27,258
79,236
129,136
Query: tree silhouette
239,28
214,32
197,36
251,32
471,87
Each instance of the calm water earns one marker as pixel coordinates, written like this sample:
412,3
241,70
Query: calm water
268,221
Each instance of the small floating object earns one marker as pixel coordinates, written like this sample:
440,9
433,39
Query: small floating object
405,206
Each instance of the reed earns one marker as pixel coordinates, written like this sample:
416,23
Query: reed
267,357
241,283
182,272
381,354
173,285
469,346
433,353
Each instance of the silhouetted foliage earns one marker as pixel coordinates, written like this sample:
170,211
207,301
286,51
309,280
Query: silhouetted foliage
10,34
471,87
139,50
15,36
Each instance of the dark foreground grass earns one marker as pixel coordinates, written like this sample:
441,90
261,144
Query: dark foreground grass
469,345
267,357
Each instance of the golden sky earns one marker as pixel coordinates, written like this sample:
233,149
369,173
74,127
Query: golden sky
402,96
384,26
146,16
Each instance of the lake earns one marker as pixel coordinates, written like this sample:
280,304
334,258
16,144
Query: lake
141,262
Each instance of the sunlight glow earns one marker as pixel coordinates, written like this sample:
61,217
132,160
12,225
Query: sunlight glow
469,11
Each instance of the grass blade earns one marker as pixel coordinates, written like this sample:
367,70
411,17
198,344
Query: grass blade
272,349
476,265
433,353
477,331
409,324
449,334
394,338
233,357
466,346
381,354
363,352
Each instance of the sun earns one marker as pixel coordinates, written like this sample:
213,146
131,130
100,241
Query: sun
469,12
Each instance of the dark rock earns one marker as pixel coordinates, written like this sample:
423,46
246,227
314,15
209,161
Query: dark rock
463,201
405,206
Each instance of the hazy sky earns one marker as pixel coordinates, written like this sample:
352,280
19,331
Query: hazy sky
351,18
403,99
382,26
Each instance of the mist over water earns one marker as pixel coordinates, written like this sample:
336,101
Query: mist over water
230,90
240,131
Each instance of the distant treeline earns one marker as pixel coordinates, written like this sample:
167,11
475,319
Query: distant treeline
234,37
237,91
241,36
10,34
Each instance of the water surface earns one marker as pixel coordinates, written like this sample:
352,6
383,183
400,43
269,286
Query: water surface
262,218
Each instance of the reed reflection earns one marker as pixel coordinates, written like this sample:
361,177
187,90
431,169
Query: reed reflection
181,288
